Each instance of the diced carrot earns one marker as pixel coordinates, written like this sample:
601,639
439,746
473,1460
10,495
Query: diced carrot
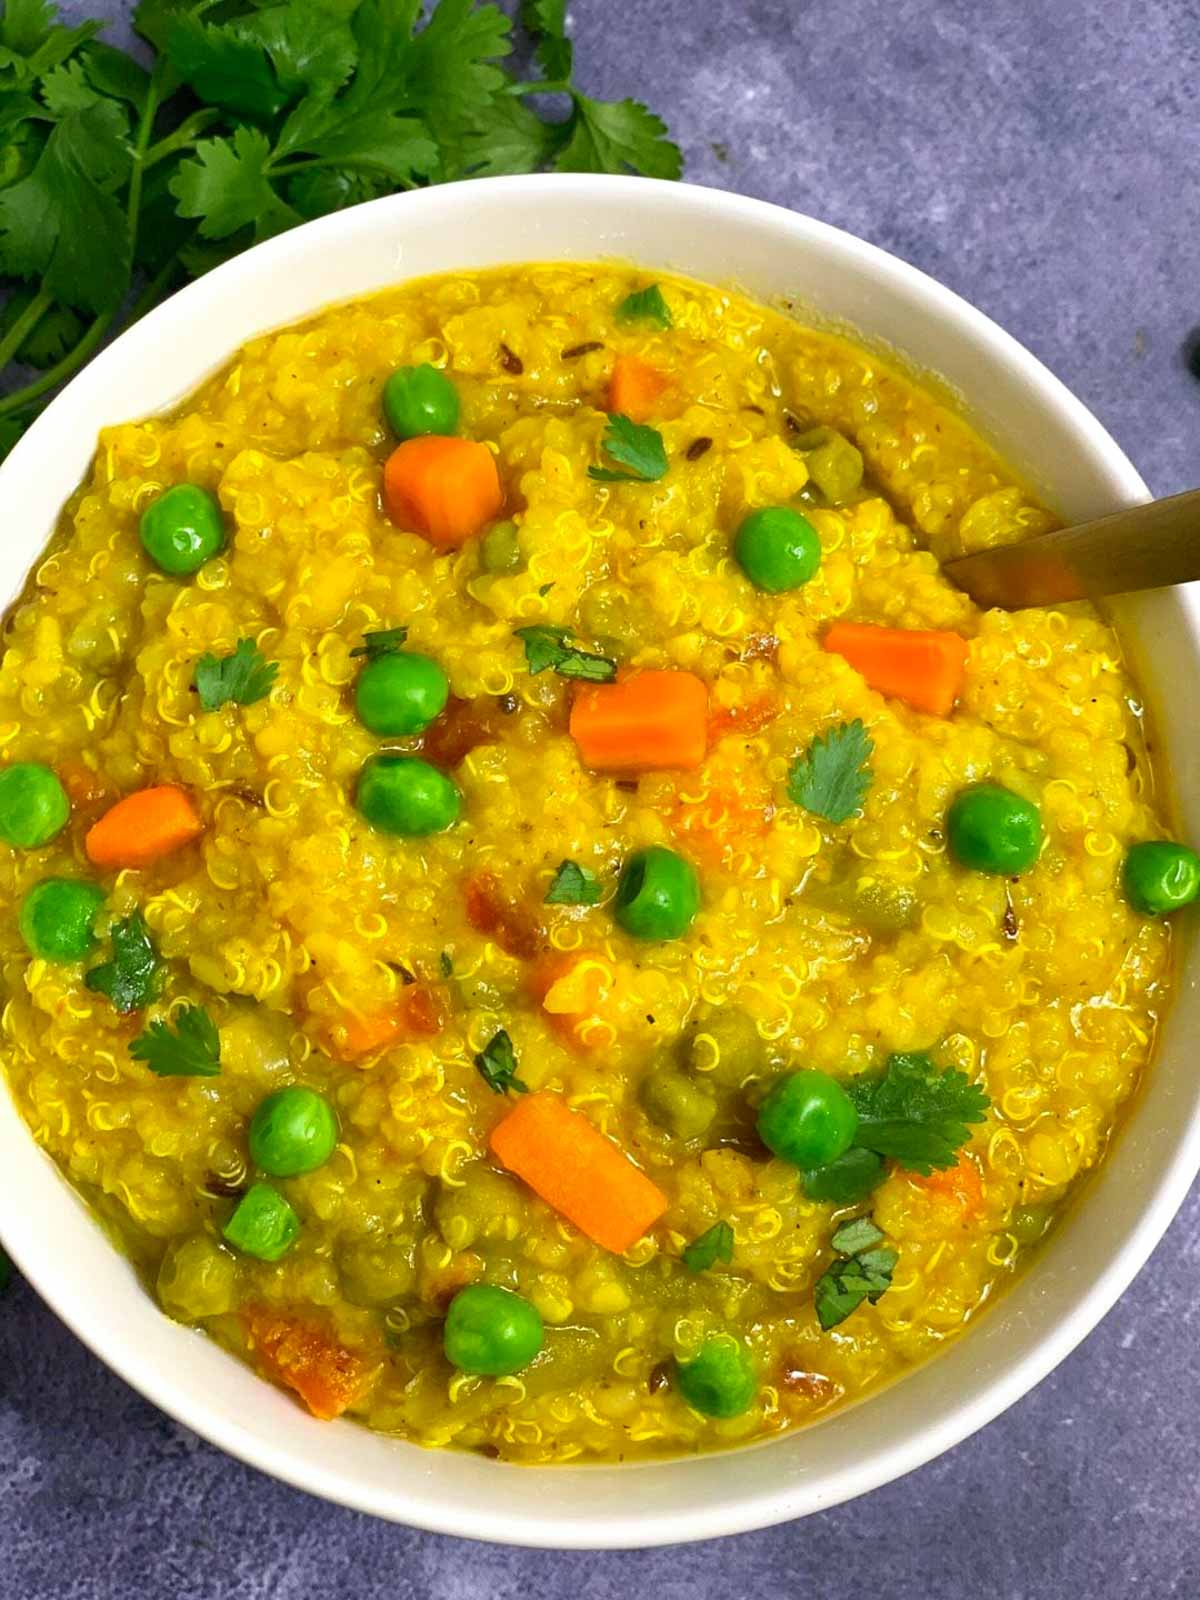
749,717
919,666
144,826
417,1014
306,1357
960,1183
494,911
573,989
653,720
443,488
566,1160
634,387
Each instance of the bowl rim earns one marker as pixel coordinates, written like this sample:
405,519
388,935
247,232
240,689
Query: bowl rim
404,1502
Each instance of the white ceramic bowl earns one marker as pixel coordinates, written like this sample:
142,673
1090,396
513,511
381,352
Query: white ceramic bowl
1090,1259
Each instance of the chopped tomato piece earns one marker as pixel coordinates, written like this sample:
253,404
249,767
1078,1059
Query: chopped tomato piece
749,717
961,1183
574,989
493,911
305,1356
416,1014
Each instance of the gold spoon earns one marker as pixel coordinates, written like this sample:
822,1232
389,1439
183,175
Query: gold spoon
1145,547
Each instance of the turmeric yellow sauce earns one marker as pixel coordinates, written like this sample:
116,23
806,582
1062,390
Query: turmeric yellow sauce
375,967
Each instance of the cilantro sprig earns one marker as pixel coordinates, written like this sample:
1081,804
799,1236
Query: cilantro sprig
573,885
864,1273
915,1113
242,677
713,1245
634,446
645,305
383,642
496,1064
833,775
191,1050
132,978
255,115
548,647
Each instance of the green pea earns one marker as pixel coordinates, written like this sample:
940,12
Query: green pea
991,829
834,464
407,796
263,1224
33,805
419,400
491,1331
658,894
777,549
1161,876
294,1130
500,549
1028,1223
182,529
57,916
721,1381
400,693
850,1177
807,1118
676,1103
724,1046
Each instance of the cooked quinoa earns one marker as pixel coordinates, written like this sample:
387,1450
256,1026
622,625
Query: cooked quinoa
819,944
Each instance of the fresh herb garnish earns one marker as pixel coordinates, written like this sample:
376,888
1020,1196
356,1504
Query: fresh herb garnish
497,1065
645,305
864,1274
915,1113
715,1244
383,642
573,885
631,445
832,777
549,647
846,1180
446,964
130,980
243,676
193,1050
254,117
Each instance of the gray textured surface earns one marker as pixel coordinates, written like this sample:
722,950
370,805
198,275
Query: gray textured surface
1039,156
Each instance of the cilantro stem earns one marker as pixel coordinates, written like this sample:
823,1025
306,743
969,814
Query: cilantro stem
75,358
25,323
185,134
539,88
142,144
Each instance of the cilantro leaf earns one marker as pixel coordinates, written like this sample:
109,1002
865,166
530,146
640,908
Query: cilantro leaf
226,185
193,1050
224,65
383,642
446,964
618,136
848,1179
635,446
831,779
115,74
573,885
645,305
496,1064
865,1274
243,677
62,223
547,647
67,89
32,43
131,979
310,44
506,137
915,1113
547,21
715,1244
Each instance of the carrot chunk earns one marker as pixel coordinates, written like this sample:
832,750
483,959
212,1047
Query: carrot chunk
919,666
416,1015
634,387
566,1160
143,826
307,1358
960,1183
443,488
575,990
650,721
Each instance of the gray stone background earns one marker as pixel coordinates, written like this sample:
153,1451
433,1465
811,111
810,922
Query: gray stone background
1041,157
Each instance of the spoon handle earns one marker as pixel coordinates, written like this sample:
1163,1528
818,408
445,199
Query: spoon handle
1144,547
